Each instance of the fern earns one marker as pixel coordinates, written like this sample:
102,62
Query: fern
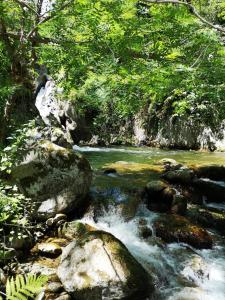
22,288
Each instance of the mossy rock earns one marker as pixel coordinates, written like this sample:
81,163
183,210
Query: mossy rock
175,228
179,205
159,196
181,176
98,264
56,179
213,190
74,229
210,218
214,172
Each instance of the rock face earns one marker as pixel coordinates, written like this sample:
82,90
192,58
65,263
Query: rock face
56,179
55,112
98,266
174,228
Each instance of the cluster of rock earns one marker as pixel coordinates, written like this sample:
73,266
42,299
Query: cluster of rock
181,195
84,263
80,261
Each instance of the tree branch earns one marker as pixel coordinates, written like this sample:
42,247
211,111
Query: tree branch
192,11
45,40
25,5
49,17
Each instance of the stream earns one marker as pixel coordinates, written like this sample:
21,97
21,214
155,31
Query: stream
180,272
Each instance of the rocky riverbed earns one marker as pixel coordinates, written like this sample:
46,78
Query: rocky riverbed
150,227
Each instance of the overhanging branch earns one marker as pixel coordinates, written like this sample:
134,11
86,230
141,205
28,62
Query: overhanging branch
45,40
192,10
51,15
25,5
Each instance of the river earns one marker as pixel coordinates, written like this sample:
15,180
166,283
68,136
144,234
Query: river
180,272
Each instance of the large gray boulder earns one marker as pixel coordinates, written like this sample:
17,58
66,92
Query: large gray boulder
98,266
55,178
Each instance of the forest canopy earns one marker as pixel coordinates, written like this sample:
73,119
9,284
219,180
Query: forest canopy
125,54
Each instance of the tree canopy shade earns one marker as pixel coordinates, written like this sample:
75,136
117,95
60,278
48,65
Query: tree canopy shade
124,54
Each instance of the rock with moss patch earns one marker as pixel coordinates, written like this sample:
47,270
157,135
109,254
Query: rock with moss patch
98,266
182,176
179,205
174,228
73,230
213,172
159,196
56,179
210,218
213,190
169,164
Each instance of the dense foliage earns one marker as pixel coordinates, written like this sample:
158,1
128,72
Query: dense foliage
119,55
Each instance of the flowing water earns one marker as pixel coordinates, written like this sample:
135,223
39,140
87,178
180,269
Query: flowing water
180,272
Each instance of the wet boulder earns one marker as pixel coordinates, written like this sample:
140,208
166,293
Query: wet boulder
159,196
98,266
179,205
182,176
213,190
210,218
174,228
192,195
74,230
196,270
144,229
213,172
129,207
170,164
56,179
